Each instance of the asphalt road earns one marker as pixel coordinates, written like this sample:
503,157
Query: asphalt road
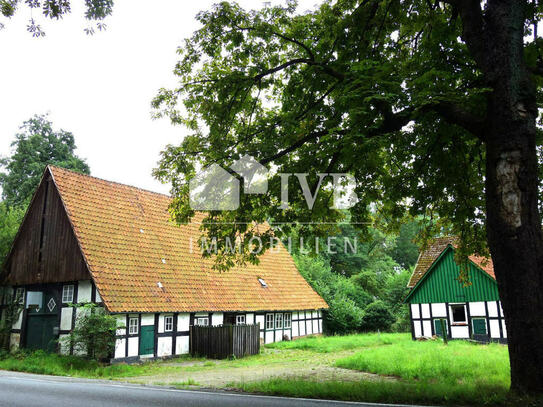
28,390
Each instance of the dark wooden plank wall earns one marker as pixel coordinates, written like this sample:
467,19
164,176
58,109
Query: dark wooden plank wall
224,341
60,259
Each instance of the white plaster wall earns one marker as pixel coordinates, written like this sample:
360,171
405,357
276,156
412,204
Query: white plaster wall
260,320
161,323
14,341
295,315
183,322
427,328
84,291
492,309
417,329
295,329
494,328
121,321
316,326
415,311
278,336
315,314
98,296
504,329
120,347
269,336
17,324
459,331
477,309
147,319
133,346
182,345
217,318
302,328
250,318
439,310
66,318
164,346
425,310
64,345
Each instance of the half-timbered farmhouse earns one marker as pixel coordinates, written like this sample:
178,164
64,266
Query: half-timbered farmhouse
471,311
88,240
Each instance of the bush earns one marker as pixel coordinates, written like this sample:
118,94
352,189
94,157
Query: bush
377,317
344,316
94,332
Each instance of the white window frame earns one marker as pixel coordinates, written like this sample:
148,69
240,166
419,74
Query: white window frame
68,288
22,295
279,321
240,319
456,323
168,323
201,321
270,321
133,325
287,317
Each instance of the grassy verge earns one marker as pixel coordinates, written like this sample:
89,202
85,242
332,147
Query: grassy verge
52,364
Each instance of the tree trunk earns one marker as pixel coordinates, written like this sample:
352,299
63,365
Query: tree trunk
513,222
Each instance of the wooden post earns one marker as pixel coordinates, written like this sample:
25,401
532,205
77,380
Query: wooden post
444,330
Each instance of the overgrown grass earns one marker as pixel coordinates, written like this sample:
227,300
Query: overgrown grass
41,362
327,344
460,373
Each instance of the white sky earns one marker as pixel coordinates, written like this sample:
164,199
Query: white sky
100,87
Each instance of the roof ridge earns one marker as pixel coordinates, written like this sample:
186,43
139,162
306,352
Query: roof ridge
51,166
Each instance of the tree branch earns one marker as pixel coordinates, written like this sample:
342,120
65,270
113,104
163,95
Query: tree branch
454,114
325,68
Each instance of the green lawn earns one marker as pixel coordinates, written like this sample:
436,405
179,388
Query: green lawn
398,370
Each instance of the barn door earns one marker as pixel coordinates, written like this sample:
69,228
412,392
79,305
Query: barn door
42,324
147,340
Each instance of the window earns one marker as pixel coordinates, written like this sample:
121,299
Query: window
269,321
133,325
202,321
240,319
458,313
20,295
168,323
68,293
288,318
278,321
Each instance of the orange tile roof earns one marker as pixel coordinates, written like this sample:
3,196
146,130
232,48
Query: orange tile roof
126,232
429,256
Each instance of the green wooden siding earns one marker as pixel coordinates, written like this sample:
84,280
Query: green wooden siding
440,284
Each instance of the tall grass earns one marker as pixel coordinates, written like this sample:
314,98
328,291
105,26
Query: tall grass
327,344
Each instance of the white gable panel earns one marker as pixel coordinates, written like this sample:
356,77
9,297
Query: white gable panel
147,319
492,309
425,310
84,290
66,318
439,310
415,311
217,318
182,345
477,309
250,319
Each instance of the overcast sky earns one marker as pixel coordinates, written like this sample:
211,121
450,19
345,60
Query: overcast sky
100,87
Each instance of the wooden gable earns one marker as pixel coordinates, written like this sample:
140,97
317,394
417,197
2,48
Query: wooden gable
45,249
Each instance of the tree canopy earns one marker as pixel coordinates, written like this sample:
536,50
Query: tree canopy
35,146
431,106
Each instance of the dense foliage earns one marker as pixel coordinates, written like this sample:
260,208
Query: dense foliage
94,332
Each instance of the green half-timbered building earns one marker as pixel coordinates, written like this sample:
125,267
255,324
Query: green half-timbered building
471,311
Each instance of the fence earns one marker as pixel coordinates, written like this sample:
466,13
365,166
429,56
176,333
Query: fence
224,341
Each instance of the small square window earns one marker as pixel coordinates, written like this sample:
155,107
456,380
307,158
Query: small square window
68,293
278,321
133,325
269,321
287,320
458,313
168,323
202,321
20,295
240,319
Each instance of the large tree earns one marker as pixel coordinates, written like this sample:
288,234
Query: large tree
431,105
35,146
